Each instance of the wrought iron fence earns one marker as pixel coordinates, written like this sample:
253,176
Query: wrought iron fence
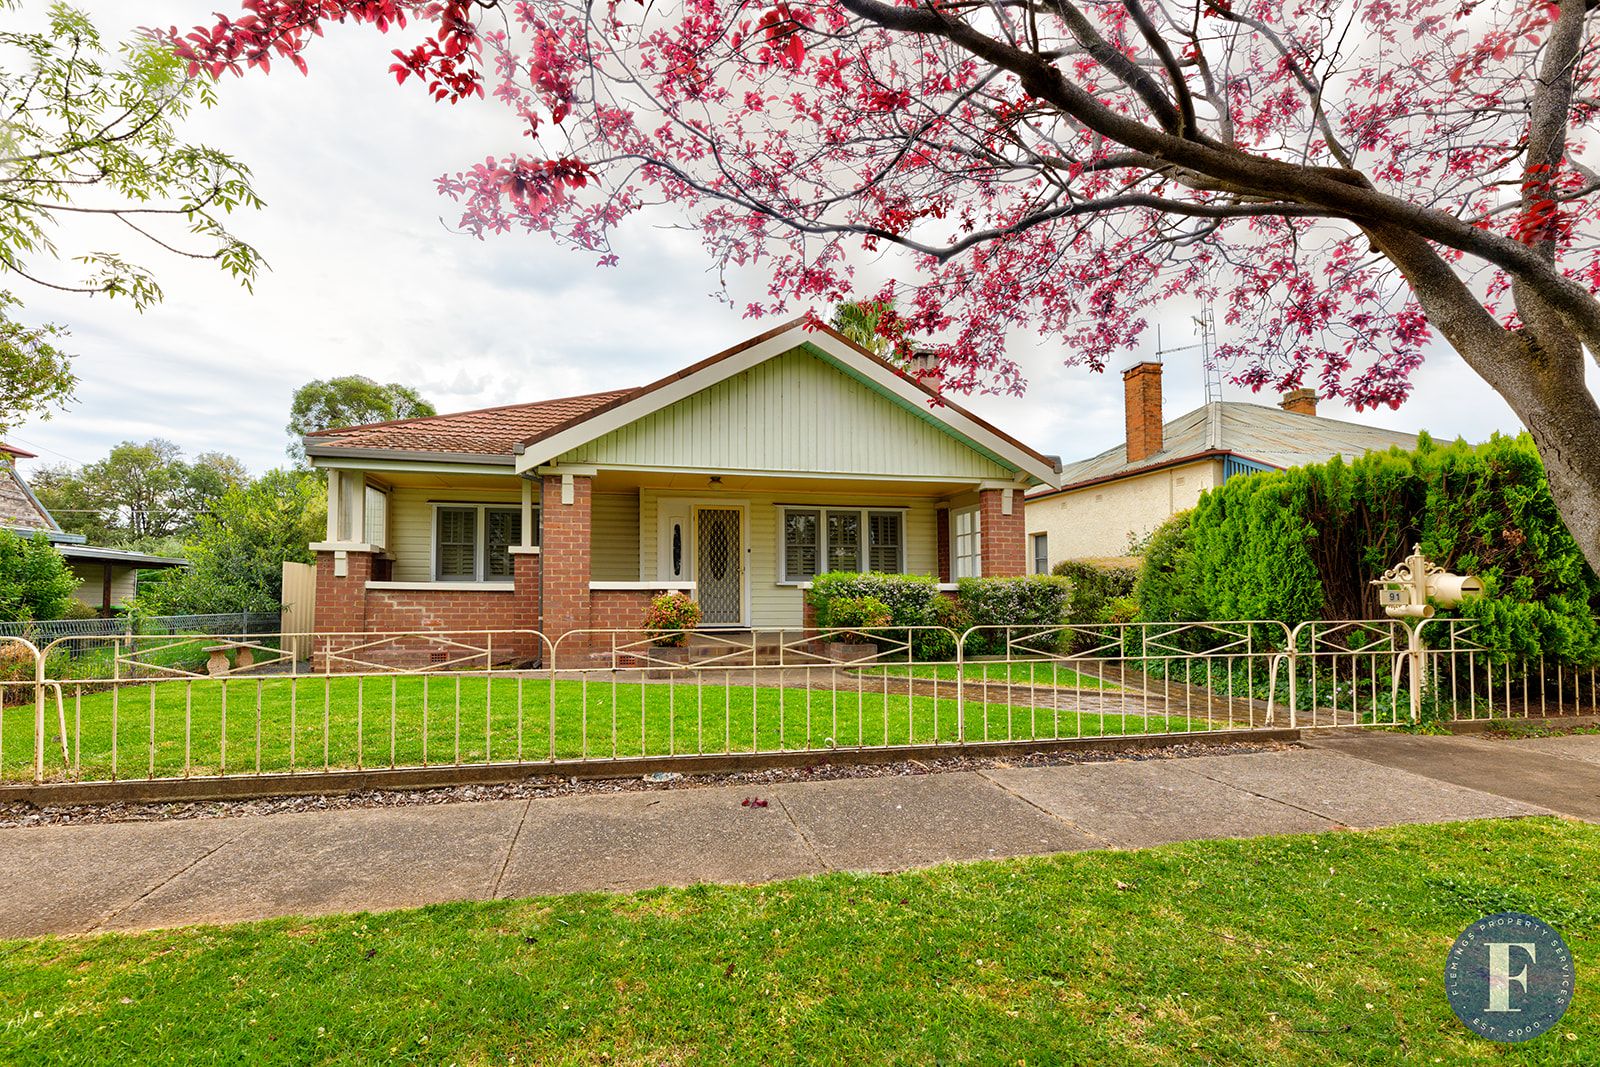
156,705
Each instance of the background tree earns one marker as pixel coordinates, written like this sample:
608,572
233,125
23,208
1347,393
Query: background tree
1343,179
35,582
36,377
349,401
237,549
91,138
138,494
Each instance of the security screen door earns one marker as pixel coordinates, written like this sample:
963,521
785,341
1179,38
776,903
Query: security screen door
719,570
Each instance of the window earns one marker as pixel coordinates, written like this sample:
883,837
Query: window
457,549
844,540
966,543
801,544
841,539
473,542
377,517
502,529
884,552
1041,553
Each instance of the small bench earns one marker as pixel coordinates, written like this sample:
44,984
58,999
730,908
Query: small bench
217,657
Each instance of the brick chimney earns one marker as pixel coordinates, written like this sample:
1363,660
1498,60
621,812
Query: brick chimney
924,367
1300,401
1141,390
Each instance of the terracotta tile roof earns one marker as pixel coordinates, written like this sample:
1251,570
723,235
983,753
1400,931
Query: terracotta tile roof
485,432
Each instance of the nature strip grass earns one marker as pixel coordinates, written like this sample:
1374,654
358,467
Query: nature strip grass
1318,949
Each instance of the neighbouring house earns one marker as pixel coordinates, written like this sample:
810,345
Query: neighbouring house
1106,503
106,576
736,479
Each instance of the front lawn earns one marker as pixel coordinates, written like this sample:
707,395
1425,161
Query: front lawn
274,723
1324,949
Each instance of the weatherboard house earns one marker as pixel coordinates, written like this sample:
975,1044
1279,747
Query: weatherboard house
736,480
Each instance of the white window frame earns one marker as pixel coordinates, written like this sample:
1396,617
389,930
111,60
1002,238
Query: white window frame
375,514
480,538
1035,543
966,560
864,546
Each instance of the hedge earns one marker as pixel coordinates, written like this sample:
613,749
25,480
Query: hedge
1304,543
914,600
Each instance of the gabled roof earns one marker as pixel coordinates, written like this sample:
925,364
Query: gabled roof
20,510
1257,432
485,432
536,433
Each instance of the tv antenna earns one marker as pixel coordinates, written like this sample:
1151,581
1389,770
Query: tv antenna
1210,369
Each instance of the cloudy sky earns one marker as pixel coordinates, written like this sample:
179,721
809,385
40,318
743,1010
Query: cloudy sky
367,278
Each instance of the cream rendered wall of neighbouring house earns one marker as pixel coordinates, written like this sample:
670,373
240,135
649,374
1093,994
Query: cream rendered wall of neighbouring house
773,604
1100,520
614,529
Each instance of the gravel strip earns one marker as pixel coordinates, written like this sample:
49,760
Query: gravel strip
17,815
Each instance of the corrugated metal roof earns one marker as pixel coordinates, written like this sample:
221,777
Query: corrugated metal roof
1254,431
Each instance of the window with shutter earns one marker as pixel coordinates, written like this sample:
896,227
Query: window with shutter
885,530
502,528
844,540
457,545
801,545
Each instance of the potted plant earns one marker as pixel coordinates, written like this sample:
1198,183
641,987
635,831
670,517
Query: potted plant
668,621
850,616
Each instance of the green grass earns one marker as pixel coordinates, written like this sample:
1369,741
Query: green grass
1326,949
244,725
1015,672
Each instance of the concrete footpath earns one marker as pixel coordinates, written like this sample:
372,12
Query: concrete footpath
132,876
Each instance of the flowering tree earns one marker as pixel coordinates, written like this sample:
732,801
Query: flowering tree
1341,180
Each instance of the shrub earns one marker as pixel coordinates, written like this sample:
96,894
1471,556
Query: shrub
35,582
859,613
1094,586
909,597
912,600
1166,590
669,618
1039,600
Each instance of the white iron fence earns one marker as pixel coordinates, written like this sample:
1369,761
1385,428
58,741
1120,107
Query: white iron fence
153,706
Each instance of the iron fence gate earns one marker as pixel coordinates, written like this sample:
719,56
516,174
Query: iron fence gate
151,707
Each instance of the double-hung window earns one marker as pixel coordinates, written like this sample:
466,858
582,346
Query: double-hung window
966,543
473,542
841,539
1041,553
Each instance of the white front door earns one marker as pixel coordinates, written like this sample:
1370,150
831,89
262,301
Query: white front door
719,565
